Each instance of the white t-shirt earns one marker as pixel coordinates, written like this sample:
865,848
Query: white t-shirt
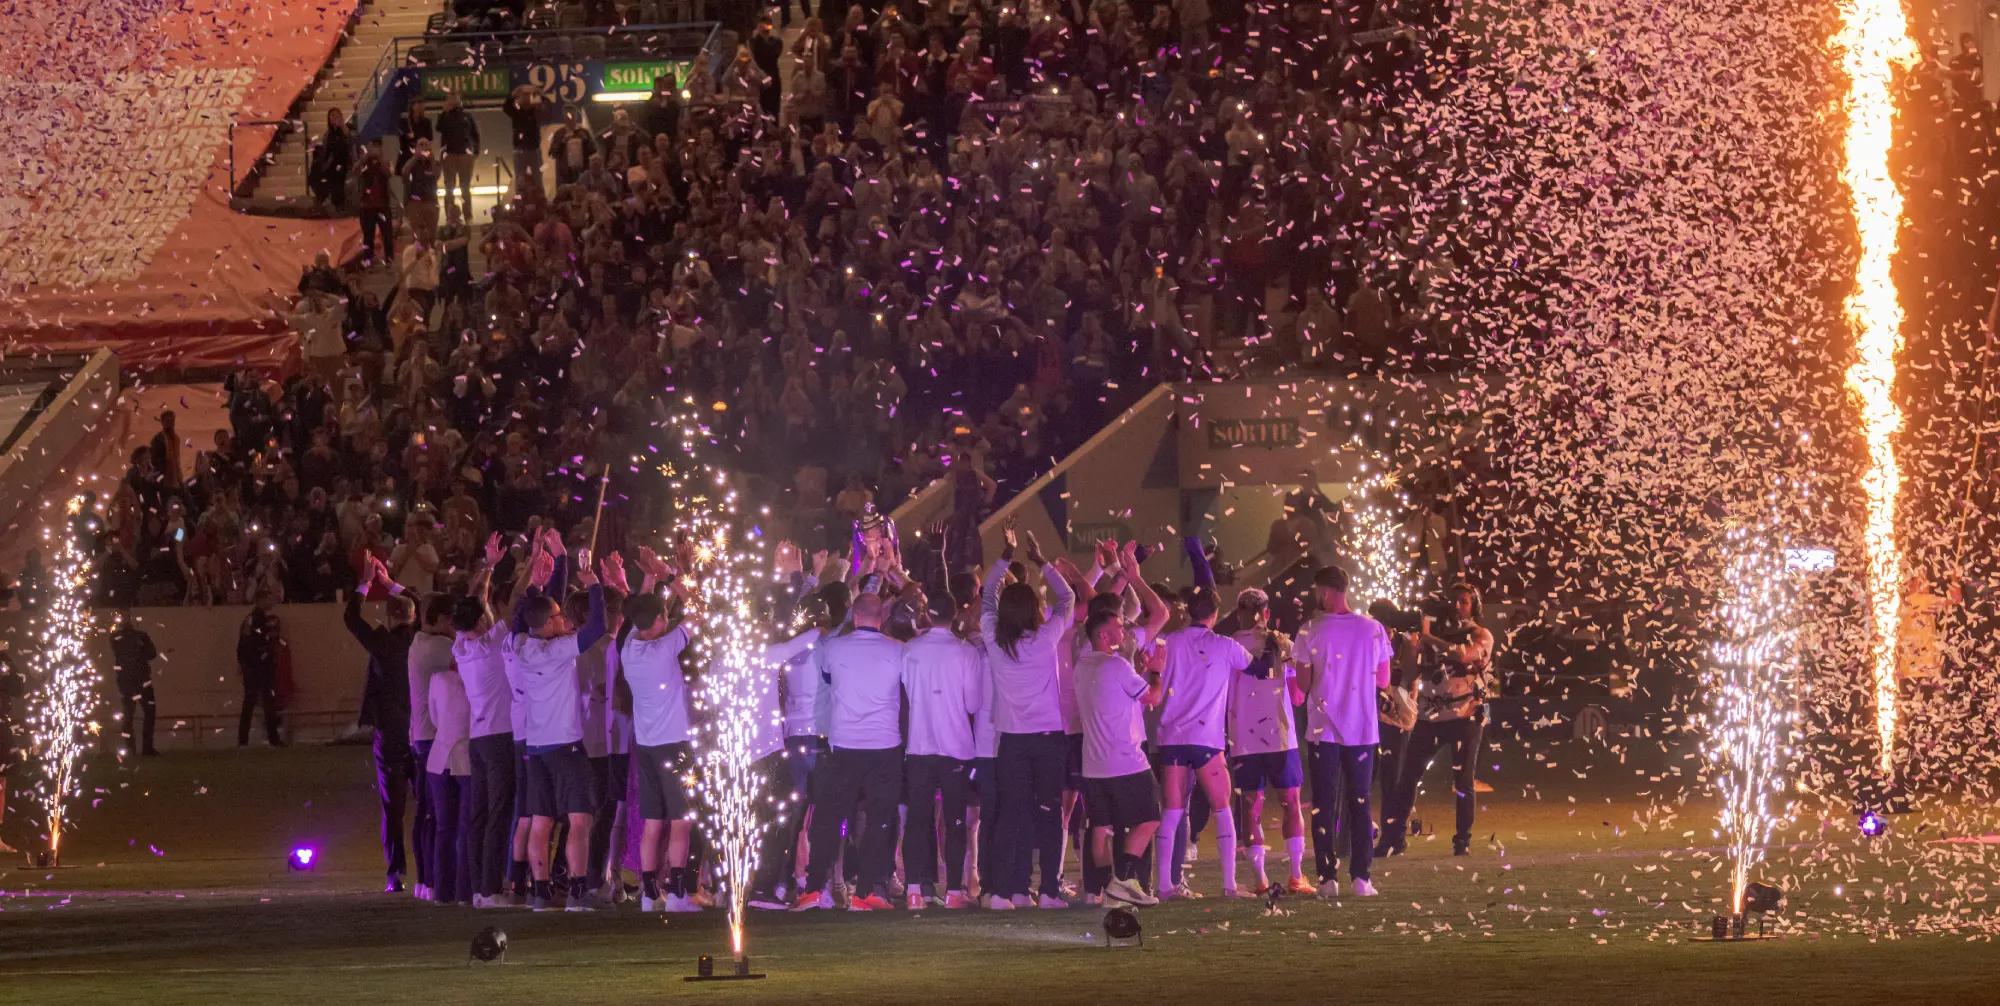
945,680
800,677
1349,656
861,685
1027,684
451,752
1070,651
652,668
1108,691
985,739
1200,667
550,698
430,653
1260,709
767,731
483,673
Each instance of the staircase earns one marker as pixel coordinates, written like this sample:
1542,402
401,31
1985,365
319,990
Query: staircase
337,86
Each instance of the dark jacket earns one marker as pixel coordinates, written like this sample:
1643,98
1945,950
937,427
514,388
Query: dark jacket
257,645
385,700
133,653
458,132
527,123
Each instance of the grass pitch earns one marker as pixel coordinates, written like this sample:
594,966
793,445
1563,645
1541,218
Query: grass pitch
1581,889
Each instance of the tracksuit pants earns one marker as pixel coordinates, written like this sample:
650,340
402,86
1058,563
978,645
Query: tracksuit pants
851,783
1462,736
489,800
930,781
1031,770
1341,777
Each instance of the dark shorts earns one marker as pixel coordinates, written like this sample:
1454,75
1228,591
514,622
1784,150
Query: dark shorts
1267,770
1074,767
662,795
1191,755
559,782
520,779
1125,801
621,770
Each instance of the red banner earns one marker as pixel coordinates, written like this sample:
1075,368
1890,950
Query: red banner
118,228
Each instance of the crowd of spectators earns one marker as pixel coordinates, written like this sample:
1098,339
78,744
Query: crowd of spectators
866,253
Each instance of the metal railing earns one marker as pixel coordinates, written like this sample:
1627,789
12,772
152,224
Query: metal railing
697,38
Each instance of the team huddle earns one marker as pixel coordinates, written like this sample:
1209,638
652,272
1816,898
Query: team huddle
913,750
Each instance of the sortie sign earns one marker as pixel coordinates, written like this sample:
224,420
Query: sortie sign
1282,431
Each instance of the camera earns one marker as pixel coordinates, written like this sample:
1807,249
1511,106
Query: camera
1396,619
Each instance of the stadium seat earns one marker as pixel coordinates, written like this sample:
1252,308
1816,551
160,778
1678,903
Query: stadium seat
590,47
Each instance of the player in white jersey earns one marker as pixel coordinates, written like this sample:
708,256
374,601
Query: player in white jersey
1200,668
1343,663
489,794
945,684
1120,793
543,650
1263,738
860,779
650,657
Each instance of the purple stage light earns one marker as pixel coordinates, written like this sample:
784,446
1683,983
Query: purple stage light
303,858
1872,824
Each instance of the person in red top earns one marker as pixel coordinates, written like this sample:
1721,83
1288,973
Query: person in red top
898,69
376,206
970,73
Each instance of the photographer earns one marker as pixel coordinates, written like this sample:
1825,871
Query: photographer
1456,653
1397,704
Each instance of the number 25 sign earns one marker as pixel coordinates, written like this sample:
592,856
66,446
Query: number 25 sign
563,82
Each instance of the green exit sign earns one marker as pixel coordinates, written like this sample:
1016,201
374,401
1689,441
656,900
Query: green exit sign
638,76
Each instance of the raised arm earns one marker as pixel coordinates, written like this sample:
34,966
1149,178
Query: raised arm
593,626
1204,577
1072,577
482,578
989,589
539,570
369,636
1151,608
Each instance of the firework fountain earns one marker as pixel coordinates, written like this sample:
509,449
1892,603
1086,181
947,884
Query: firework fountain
62,716
727,572
1382,549
1752,662
1874,40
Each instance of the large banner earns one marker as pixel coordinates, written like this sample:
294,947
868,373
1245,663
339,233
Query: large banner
114,203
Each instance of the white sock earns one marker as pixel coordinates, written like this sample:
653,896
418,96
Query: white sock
1257,860
1295,848
1163,852
1225,846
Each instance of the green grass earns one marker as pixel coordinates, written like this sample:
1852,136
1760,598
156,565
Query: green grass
177,893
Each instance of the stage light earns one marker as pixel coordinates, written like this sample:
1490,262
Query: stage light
489,946
303,858
1122,924
1759,898
1872,824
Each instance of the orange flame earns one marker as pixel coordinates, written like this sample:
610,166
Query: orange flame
1873,41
